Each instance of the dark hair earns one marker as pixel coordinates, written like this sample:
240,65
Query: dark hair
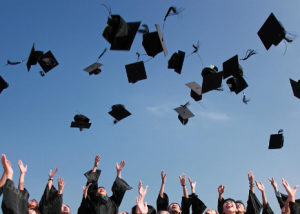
173,203
37,203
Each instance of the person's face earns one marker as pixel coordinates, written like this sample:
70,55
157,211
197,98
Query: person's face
174,208
164,212
64,209
102,191
240,207
31,211
210,211
229,207
32,204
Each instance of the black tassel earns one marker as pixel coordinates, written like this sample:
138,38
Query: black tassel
42,73
171,12
280,131
14,63
249,53
144,31
138,55
109,9
102,54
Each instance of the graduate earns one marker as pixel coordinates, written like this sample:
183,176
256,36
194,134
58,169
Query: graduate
95,199
229,206
14,200
266,207
198,206
142,193
291,207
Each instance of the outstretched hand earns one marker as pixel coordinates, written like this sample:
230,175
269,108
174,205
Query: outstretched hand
273,183
250,177
193,185
163,177
52,173
291,192
142,207
142,191
61,184
85,190
7,167
97,159
260,186
23,169
120,167
182,179
221,189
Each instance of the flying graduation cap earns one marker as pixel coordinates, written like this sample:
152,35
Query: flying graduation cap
81,122
212,79
95,67
184,113
119,112
33,57
276,140
176,61
295,87
272,32
196,91
3,84
136,71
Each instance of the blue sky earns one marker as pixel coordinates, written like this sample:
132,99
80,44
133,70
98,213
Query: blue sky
224,140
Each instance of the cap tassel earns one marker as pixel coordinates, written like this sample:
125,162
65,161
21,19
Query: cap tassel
290,38
280,131
249,53
201,104
109,10
42,73
196,47
171,12
102,54
144,31
138,56
244,99
15,63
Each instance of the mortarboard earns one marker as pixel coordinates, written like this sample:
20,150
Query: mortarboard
81,122
47,61
136,71
3,84
295,87
196,90
276,140
176,61
232,68
272,32
34,57
211,69
154,43
236,84
211,82
184,113
119,33
94,68
119,112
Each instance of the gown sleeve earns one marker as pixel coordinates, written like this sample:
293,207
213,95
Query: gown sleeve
198,207
84,207
118,189
267,209
51,201
294,208
220,205
281,198
1,190
14,201
162,203
253,204
92,177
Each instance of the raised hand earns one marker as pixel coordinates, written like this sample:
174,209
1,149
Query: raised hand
142,191
250,177
85,190
260,186
97,159
221,189
23,169
120,167
61,184
182,179
291,192
193,185
163,177
7,167
274,184
52,173
142,207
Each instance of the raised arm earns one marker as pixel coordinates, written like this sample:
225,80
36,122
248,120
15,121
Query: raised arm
193,185
182,182
141,207
274,184
291,192
221,190
23,170
119,168
97,159
51,176
7,167
251,181
261,187
3,178
61,185
163,181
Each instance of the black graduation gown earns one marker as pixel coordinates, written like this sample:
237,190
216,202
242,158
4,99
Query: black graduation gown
294,207
1,190
162,204
282,199
198,207
253,204
14,201
267,209
51,201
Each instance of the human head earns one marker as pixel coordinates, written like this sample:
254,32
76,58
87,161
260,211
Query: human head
240,206
211,211
65,209
33,204
101,191
163,212
174,208
123,213
34,211
229,206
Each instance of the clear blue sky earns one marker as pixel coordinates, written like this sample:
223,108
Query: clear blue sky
218,146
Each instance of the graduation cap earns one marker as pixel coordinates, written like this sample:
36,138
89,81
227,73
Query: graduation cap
154,43
232,68
211,82
211,69
136,71
276,140
119,33
33,57
295,87
47,61
236,84
272,32
81,122
176,61
3,84
94,68
184,113
196,90
119,112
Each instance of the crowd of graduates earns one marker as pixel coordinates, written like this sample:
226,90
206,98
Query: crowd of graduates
96,201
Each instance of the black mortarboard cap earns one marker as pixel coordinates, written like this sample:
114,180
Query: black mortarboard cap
211,82
209,70
276,141
119,112
33,57
3,84
272,32
184,113
232,68
196,90
236,84
176,61
81,122
94,68
119,33
296,88
154,43
48,61
136,71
